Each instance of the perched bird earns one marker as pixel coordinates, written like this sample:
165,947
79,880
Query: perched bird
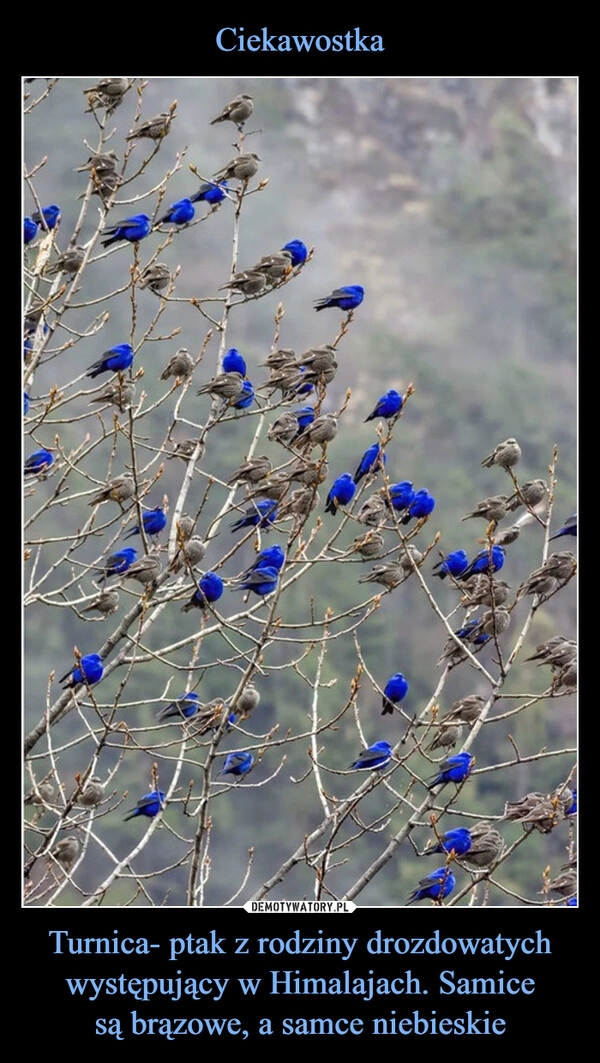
375,757
486,846
464,710
237,764
120,394
455,842
65,852
210,717
274,267
105,183
546,652
561,565
542,811
341,493
409,557
179,213
184,707
493,508
154,520
238,110
284,428
26,403
100,162
489,560
224,386
453,652
234,362
565,884
115,359
242,168
260,514
67,262
189,554
274,486
153,128
399,496
389,575
131,229
270,557
247,701
247,283
493,622
317,360
179,365
144,571
421,506
105,603
372,511
48,218
149,805
346,298
298,251
540,582
107,93
38,463
372,461
30,228
210,588
156,277
211,193
564,679
394,692
88,670
446,737
117,490
369,546
387,406
117,564
252,471
261,580
568,528
506,536
452,564
506,455
529,494
40,794
92,793
435,886
301,503
454,769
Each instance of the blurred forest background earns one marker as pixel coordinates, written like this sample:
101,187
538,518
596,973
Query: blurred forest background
453,202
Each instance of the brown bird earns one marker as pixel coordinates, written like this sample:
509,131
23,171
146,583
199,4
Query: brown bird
153,128
242,168
238,110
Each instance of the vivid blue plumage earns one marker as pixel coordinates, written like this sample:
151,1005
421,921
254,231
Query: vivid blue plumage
115,360
373,758
394,692
149,805
435,886
387,406
346,298
89,670
454,769
130,229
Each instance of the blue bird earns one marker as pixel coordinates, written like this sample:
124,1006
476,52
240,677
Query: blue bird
30,228
394,692
454,769
373,459
117,563
572,809
485,561
115,360
457,841
571,903
400,495
210,589
233,362
453,564
185,706
342,492
246,399
470,632
210,192
154,520
237,764
50,216
26,405
38,462
305,416
270,557
297,250
149,805
179,213
261,580
130,229
89,670
375,757
346,298
387,406
421,506
261,514
568,528
435,886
